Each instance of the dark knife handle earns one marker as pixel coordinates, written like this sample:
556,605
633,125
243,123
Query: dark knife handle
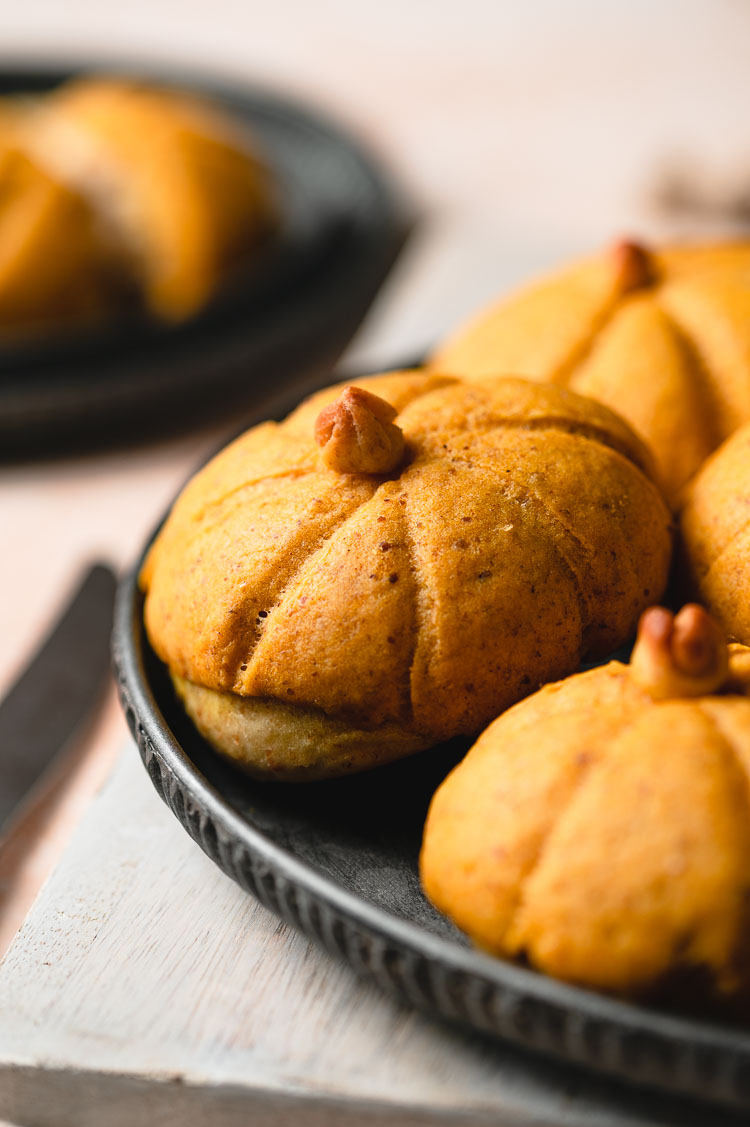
56,691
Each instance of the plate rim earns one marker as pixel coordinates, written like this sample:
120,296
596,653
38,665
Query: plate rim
678,1055
83,382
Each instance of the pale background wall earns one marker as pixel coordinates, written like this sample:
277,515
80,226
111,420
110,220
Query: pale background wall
559,114
524,132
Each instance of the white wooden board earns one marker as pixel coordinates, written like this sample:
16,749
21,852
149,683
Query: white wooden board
146,987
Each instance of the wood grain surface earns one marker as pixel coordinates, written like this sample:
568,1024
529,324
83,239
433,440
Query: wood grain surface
144,983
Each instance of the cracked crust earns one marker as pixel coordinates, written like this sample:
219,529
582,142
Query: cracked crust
519,534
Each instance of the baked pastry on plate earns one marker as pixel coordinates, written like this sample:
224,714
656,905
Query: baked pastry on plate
58,263
175,177
661,336
397,563
114,194
715,534
600,830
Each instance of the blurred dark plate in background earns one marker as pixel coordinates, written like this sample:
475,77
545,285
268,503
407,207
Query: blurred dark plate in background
271,333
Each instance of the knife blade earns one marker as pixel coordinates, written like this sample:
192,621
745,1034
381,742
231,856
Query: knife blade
54,695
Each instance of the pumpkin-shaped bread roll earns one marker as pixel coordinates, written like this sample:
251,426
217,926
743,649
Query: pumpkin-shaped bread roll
173,177
600,830
662,337
58,264
396,563
715,534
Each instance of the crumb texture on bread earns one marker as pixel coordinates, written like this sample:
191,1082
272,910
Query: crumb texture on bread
270,739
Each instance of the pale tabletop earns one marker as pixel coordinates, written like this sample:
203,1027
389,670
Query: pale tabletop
146,987
523,134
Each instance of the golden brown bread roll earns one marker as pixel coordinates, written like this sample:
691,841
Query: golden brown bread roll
115,195
600,830
58,264
661,336
173,175
507,529
715,534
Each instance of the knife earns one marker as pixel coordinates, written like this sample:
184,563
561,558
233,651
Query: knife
48,705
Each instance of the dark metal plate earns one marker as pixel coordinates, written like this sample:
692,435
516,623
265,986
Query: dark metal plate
338,860
279,325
